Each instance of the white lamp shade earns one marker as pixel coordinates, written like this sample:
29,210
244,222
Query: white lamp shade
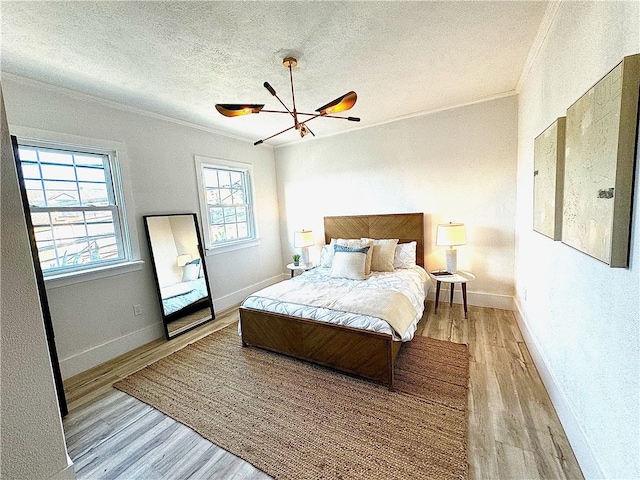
184,259
450,234
303,239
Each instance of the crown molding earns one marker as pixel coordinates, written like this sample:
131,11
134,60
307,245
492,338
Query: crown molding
421,113
127,108
538,41
117,105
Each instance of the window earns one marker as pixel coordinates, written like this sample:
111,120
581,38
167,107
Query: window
227,206
76,205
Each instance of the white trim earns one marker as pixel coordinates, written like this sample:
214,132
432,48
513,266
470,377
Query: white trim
119,106
146,113
67,473
94,356
219,163
490,98
577,438
120,176
236,298
538,41
230,247
72,278
65,139
478,299
99,354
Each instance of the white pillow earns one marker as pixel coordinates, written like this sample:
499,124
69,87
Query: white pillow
405,256
358,243
191,272
349,262
326,255
383,254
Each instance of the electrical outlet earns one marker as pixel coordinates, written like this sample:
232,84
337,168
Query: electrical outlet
524,294
137,309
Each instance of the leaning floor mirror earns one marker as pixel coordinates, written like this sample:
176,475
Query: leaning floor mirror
180,271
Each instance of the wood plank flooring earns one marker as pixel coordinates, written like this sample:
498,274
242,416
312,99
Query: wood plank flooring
514,432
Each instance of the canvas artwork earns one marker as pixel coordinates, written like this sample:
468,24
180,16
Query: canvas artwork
601,129
548,180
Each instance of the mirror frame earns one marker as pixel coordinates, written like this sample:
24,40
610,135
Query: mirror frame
199,304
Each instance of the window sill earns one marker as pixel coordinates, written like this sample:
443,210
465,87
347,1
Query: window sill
231,247
72,278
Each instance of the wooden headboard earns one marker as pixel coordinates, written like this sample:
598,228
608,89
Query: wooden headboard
407,227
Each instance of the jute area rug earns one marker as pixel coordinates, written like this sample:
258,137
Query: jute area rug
295,420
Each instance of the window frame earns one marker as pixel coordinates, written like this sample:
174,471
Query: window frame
247,170
124,226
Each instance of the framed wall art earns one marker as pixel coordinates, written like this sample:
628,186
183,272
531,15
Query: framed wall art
601,134
548,180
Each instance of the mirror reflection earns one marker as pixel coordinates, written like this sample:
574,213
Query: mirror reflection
180,271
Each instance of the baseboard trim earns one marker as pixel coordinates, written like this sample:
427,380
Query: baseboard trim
577,438
478,299
91,357
87,359
67,473
237,297
94,356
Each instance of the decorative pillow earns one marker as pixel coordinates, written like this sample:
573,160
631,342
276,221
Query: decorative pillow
358,243
405,256
383,254
191,270
349,262
326,255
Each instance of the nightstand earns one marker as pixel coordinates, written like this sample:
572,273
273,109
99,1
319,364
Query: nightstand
299,268
460,277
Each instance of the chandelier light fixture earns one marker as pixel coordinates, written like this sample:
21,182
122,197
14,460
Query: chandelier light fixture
340,104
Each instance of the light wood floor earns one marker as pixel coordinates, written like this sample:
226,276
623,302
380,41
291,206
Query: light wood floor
514,432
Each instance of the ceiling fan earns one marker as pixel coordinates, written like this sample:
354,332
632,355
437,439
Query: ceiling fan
340,104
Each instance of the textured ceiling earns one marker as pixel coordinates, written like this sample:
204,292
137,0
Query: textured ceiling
181,58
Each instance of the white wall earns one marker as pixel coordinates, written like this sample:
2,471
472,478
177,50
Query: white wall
94,320
581,318
32,440
456,165
165,251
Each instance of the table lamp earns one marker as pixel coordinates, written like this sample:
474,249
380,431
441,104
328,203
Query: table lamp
303,240
450,235
182,260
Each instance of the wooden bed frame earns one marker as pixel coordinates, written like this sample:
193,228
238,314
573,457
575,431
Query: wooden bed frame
360,352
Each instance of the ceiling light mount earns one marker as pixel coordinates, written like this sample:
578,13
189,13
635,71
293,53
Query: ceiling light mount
340,104
289,62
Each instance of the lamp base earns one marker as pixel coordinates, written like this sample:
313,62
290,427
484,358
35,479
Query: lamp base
304,257
451,260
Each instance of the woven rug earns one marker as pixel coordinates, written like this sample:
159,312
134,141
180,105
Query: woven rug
295,420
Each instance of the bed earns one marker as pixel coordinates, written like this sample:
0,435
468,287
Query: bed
365,353
183,294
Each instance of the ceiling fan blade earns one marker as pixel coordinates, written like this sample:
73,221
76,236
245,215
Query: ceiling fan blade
235,110
340,104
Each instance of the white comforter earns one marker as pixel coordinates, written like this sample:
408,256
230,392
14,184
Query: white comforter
179,295
413,283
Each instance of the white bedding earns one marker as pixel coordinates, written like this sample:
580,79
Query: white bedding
179,295
413,283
